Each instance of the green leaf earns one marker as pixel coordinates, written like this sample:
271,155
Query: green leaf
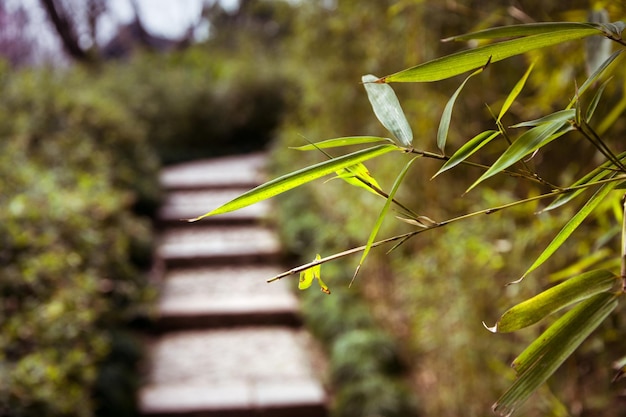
597,174
387,109
591,109
381,216
444,124
593,77
298,178
546,354
526,144
308,275
515,92
521,30
460,62
554,299
468,149
572,225
339,142
556,116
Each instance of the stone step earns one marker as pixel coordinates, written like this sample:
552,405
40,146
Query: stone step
206,245
244,372
242,171
182,205
213,297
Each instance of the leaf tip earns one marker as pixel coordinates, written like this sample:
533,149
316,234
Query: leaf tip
517,281
493,329
356,272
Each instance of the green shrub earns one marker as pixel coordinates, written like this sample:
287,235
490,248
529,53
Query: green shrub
73,167
201,102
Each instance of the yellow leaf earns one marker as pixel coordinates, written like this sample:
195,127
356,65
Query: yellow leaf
314,272
359,176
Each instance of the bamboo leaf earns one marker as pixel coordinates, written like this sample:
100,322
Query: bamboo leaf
593,77
468,60
381,216
467,150
387,109
594,102
526,144
521,30
515,92
298,178
554,299
444,123
572,225
556,116
597,174
339,142
546,354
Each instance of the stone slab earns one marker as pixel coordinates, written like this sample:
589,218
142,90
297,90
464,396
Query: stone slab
299,397
254,371
232,399
227,280
226,296
252,354
182,205
183,247
244,171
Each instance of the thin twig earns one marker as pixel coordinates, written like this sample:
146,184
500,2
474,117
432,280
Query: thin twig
404,237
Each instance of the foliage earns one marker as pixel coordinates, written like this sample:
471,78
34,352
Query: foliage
358,348
563,336
73,167
200,103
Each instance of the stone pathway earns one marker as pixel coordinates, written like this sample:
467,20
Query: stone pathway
227,343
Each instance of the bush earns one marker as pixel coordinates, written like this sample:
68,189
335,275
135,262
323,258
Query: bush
201,102
73,166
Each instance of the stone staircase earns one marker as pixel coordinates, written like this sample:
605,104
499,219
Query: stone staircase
226,342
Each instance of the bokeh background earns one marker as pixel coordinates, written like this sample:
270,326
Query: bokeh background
97,95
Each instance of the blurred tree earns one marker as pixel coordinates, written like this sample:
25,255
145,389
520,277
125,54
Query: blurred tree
15,44
65,23
76,24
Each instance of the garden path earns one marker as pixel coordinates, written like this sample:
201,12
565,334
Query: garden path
227,343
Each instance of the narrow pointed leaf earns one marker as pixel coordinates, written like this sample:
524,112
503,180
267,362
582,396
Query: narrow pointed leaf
591,109
593,77
468,149
298,178
444,123
597,174
339,142
567,114
526,144
515,92
572,225
383,213
468,60
554,299
546,354
521,30
387,109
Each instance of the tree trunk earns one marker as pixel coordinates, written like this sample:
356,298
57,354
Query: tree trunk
65,29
